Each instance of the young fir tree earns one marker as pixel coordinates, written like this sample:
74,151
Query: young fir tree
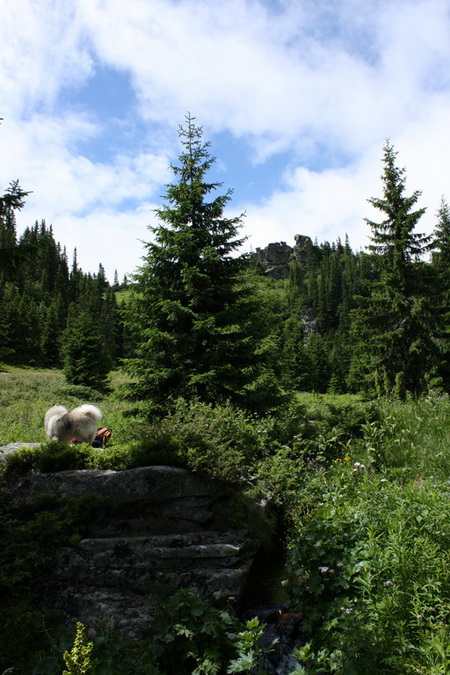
85,356
195,323
394,328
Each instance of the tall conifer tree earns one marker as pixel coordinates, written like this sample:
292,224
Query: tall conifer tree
195,323
394,329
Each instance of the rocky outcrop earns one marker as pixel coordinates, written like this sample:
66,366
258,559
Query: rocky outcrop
276,257
169,529
310,322
302,243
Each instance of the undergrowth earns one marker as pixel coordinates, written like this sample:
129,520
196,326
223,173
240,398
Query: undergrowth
364,491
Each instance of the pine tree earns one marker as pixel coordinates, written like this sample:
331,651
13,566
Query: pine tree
394,327
394,239
439,271
441,241
194,320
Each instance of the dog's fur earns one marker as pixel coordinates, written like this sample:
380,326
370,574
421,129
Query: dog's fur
80,423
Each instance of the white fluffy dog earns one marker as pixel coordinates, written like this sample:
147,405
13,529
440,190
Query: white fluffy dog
80,423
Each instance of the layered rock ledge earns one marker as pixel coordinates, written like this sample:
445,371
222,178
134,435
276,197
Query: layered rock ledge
169,529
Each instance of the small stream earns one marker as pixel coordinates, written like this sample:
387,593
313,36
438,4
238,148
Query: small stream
266,598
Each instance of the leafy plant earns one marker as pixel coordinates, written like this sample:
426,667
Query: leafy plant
251,654
79,659
370,569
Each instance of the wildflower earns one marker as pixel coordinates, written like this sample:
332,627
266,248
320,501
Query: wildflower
340,564
388,583
347,458
231,636
323,570
384,480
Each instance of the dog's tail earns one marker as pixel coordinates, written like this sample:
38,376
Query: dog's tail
91,410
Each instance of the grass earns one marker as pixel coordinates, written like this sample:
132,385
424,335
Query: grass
26,395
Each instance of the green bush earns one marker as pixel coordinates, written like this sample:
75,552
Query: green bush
369,567
221,440
47,458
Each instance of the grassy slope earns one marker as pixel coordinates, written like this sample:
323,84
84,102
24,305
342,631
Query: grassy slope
26,395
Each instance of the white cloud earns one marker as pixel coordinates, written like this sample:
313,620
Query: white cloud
42,51
323,205
324,82
80,197
114,238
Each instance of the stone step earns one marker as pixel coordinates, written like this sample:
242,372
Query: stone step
147,483
133,557
152,518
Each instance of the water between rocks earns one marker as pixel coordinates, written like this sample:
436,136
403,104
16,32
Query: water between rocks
265,597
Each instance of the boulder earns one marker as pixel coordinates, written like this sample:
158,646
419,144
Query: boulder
12,447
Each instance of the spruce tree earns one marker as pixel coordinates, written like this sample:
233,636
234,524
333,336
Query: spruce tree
194,321
85,357
394,326
439,271
441,242
10,253
394,239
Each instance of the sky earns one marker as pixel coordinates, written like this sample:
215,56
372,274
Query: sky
296,97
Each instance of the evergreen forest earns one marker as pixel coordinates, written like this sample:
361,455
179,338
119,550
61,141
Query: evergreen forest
381,315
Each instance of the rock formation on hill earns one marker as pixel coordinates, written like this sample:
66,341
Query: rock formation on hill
276,257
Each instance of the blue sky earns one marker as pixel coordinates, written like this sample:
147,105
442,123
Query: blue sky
297,98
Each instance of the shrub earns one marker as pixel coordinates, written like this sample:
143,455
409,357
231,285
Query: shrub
369,567
221,440
47,458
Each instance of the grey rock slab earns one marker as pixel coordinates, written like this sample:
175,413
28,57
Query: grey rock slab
153,483
10,448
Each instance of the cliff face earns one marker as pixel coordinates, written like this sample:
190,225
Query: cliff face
170,528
